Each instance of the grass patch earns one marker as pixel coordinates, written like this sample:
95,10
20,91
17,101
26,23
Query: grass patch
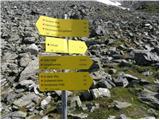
137,110
137,71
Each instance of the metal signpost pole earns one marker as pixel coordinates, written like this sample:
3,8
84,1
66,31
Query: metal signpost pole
64,94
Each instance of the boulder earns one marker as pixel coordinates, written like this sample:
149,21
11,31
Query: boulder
30,70
145,57
33,49
121,105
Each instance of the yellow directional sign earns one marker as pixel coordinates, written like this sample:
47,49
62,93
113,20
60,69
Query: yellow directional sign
64,62
48,26
64,81
58,45
77,47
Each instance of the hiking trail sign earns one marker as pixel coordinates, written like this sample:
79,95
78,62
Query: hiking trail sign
48,26
64,81
60,45
64,62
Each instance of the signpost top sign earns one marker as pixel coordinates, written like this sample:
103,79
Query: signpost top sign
48,26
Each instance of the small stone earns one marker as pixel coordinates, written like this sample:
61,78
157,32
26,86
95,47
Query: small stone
123,116
45,102
26,100
29,40
26,83
147,73
95,93
104,92
149,117
130,77
78,116
18,114
33,49
121,81
145,57
121,105
86,96
30,70
92,106
25,59
104,84
100,92
111,117
59,93
77,100
112,71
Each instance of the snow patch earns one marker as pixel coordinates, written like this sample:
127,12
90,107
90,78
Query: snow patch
113,3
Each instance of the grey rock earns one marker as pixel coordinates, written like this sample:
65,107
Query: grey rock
104,92
100,30
14,37
145,57
18,114
111,117
130,77
45,102
92,106
86,96
78,116
84,107
11,96
149,117
26,100
148,97
14,115
9,56
25,59
152,112
76,100
59,93
98,75
121,105
95,92
104,84
121,81
112,71
27,83
100,92
123,116
147,73
33,49
30,70
29,40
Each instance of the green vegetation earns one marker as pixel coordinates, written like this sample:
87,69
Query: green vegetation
137,110
151,7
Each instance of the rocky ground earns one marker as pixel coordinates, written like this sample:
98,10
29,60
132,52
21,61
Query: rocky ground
122,43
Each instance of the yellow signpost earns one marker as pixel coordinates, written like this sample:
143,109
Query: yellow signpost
58,45
64,81
48,81
49,26
64,62
78,47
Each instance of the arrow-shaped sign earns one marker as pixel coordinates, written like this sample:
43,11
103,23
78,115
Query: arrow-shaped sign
59,45
64,81
48,26
78,47
64,62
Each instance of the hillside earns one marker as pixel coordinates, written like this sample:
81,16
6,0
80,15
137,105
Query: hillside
123,44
